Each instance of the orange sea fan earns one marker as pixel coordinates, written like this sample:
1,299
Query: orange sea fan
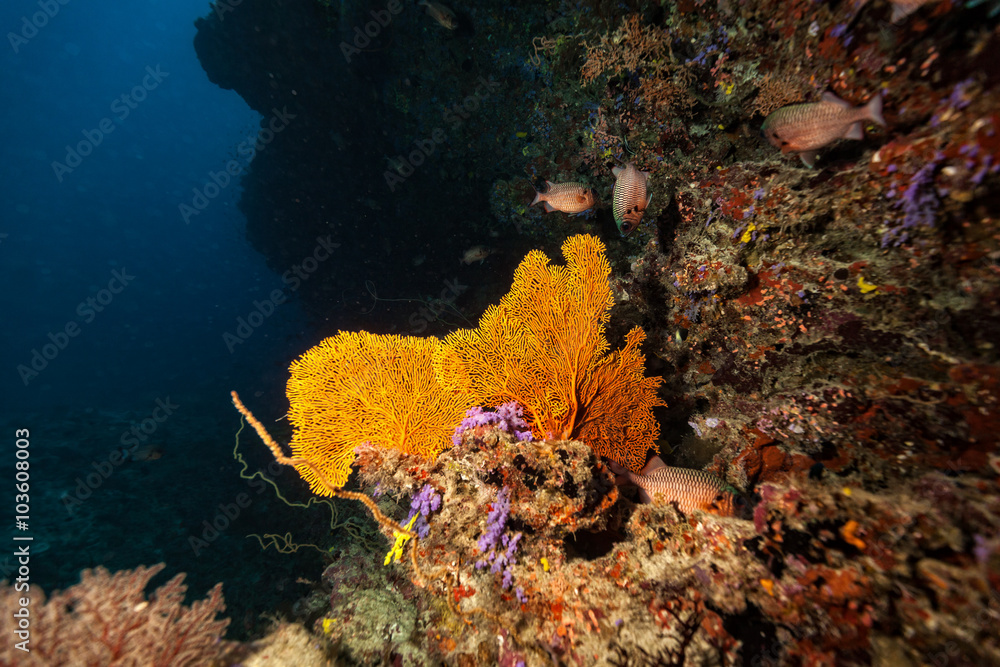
544,347
361,387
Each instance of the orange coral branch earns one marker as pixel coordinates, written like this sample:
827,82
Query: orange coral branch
544,347
330,489
358,387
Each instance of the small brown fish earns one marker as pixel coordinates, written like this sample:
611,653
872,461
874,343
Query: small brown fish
477,253
688,489
805,128
572,198
440,13
145,453
629,200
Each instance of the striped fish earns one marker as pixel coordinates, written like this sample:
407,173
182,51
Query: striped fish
805,128
629,200
572,198
689,490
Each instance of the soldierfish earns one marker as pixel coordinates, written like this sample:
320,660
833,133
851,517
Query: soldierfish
805,128
572,198
629,200
688,489
440,13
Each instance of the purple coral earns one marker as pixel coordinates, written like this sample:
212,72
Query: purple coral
497,545
426,501
838,30
988,165
981,550
508,417
919,204
958,98
496,522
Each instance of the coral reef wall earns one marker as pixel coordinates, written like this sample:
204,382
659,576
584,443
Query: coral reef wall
827,336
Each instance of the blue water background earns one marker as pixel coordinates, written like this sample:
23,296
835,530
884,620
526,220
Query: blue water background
161,337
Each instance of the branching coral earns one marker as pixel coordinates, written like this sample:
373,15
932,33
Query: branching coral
918,203
630,47
544,347
106,620
775,90
359,387
644,51
301,463
497,544
426,501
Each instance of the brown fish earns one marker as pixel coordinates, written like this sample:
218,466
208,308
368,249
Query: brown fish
688,489
440,13
572,198
145,453
629,200
477,253
805,128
